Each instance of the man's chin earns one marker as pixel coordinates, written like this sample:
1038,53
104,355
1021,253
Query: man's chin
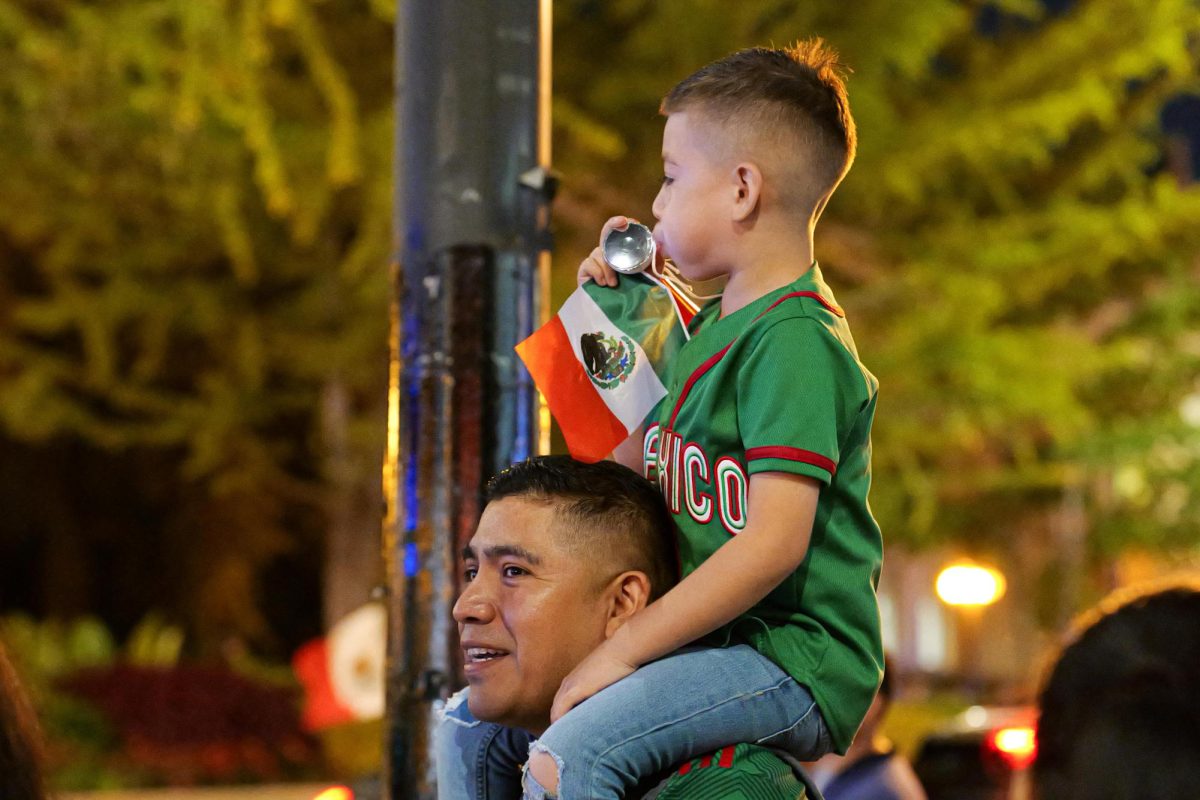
502,712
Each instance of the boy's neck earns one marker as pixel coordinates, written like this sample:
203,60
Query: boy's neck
763,266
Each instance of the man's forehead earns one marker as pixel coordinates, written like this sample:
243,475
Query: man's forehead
525,527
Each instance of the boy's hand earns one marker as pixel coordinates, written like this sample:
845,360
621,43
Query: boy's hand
600,669
594,267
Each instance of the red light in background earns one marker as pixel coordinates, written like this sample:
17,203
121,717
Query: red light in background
335,793
1016,745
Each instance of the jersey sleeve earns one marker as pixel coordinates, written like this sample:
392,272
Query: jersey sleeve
791,399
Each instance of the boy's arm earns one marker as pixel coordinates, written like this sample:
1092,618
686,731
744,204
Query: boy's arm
742,572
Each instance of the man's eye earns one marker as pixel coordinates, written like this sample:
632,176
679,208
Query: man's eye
469,574
514,572
667,180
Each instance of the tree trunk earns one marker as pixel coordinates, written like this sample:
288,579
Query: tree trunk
353,562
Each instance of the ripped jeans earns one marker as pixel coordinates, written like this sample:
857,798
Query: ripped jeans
477,760
680,707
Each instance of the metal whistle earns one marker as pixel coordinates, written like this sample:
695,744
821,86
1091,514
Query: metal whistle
630,250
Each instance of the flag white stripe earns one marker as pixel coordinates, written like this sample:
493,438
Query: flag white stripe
632,400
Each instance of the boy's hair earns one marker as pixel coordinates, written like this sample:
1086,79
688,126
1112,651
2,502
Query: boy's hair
621,521
787,106
1120,713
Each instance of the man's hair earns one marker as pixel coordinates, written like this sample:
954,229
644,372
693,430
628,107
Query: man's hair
1120,712
788,107
613,515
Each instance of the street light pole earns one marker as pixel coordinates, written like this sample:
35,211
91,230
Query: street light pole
471,248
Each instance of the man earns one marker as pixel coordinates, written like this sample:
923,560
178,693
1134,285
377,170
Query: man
565,553
871,768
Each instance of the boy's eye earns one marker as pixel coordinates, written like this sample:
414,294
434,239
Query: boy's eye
513,572
469,574
667,180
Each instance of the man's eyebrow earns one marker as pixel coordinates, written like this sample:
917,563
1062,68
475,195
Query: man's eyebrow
516,551
468,554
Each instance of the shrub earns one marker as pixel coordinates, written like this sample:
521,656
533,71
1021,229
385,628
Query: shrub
193,724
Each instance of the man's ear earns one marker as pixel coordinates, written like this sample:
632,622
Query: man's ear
629,594
748,185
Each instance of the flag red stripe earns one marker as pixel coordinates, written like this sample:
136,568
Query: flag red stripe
589,427
685,311
726,758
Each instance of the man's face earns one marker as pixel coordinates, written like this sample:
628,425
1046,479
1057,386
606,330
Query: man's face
692,203
529,612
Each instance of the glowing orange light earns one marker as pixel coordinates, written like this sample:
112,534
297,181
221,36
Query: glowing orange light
1017,745
335,793
969,585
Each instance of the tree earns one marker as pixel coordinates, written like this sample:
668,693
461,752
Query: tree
195,243
1019,269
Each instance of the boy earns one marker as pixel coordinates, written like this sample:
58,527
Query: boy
761,449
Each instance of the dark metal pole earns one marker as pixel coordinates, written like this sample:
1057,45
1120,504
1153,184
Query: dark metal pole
471,242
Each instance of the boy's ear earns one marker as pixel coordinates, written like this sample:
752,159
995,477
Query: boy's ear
629,594
748,184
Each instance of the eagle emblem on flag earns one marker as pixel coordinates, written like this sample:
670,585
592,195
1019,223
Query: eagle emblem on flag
609,360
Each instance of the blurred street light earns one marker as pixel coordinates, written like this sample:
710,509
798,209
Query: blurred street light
969,588
966,584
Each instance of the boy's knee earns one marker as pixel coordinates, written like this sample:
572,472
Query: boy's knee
543,768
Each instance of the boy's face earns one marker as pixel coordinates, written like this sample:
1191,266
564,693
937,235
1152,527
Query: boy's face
693,206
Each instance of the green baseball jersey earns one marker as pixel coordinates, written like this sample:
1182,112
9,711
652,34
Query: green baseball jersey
739,772
777,387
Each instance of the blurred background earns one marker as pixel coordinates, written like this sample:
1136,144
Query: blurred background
194,294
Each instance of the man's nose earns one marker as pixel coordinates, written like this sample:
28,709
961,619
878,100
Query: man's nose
474,604
656,209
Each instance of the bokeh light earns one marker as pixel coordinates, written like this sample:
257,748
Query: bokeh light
969,585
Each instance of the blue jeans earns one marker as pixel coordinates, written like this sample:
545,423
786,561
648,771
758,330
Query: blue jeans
477,760
680,707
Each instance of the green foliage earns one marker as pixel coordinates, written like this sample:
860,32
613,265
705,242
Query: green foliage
196,225
47,650
154,643
194,243
1019,269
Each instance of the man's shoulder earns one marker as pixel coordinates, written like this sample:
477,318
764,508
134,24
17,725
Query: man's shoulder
738,771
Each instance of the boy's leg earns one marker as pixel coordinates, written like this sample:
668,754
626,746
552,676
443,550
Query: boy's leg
476,760
680,707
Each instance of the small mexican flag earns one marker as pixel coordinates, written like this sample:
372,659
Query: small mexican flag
602,362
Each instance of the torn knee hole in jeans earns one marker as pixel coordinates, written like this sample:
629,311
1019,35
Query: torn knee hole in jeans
533,789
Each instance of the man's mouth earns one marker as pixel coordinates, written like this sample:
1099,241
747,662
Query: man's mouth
482,655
